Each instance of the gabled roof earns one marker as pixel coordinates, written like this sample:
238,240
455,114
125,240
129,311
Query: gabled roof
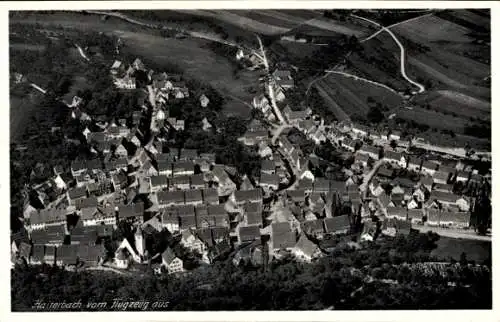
165,197
313,226
160,180
391,155
282,235
457,217
306,246
168,256
443,196
269,179
337,223
193,195
210,195
77,193
127,211
68,254
396,211
248,195
296,195
249,233
415,213
321,185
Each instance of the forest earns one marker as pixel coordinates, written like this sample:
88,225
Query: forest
366,276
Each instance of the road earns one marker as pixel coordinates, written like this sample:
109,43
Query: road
452,233
396,24
276,110
369,176
277,132
421,88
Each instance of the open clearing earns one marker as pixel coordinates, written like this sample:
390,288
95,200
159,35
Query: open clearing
352,95
189,54
453,247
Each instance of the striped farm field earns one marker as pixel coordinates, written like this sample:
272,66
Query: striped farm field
456,103
323,91
432,119
352,95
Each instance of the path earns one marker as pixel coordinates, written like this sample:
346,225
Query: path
394,25
421,88
363,79
80,50
369,176
277,111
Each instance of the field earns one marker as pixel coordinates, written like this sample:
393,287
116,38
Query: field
332,104
455,103
352,95
379,61
20,109
457,57
191,55
433,119
478,251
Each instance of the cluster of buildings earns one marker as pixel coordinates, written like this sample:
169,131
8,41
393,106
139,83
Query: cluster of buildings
287,209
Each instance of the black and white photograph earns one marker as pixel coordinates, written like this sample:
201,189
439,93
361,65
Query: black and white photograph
258,159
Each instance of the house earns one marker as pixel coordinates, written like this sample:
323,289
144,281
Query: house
165,168
193,197
462,176
210,196
360,130
395,158
241,197
449,199
337,225
394,135
170,219
454,219
158,183
321,185
396,213
426,182
76,194
305,250
361,160
441,177
376,188
67,255
251,138
248,234
183,168
252,214
91,255
121,260
443,187
170,198
260,102
204,100
313,228
37,255
429,167
269,181
268,167
48,217
131,211
192,242
180,183
432,217
371,151
281,237
415,216
49,256
119,181
294,117
296,196
414,164
126,82
197,181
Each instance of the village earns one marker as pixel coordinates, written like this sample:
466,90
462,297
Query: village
288,210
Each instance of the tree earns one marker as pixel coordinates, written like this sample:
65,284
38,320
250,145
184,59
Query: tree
375,114
393,144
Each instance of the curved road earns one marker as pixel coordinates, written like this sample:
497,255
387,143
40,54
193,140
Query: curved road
396,24
363,79
421,88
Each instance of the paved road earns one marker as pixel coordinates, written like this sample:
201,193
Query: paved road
38,88
421,88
